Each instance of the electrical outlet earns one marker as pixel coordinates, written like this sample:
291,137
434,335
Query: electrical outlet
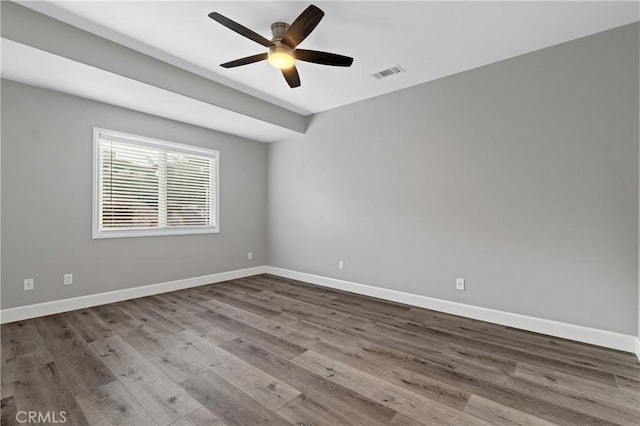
459,283
68,279
250,255
28,284
340,264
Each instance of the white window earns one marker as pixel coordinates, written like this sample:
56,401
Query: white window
145,187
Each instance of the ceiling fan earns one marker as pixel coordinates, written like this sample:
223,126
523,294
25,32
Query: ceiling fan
282,47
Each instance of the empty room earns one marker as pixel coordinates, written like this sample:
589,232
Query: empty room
328,213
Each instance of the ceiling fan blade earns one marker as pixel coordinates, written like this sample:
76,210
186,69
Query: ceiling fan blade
302,26
242,30
323,58
244,61
292,77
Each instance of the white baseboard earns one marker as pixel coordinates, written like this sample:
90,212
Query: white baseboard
593,336
81,302
579,333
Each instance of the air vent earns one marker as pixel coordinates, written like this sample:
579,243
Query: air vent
388,72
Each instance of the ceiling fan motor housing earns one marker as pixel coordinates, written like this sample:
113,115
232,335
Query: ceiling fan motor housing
278,29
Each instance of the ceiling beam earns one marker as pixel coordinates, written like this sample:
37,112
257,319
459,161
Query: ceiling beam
34,29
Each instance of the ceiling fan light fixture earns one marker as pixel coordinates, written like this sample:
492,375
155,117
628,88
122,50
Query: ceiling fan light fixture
280,55
281,60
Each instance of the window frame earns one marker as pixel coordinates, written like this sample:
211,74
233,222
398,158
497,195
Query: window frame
98,233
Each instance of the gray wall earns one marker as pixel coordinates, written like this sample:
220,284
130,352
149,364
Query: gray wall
46,200
520,176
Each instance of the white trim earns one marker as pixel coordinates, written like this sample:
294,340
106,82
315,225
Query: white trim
608,339
115,135
81,302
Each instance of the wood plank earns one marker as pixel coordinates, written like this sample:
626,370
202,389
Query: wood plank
568,346
276,344
446,369
321,315
88,325
628,384
162,398
161,307
382,305
233,298
553,353
169,359
138,310
387,365
111,315
416,336
249,318
18,339
402,420
228,402
181,302
374,312
577,402
276,282
473,363
297,292
524,355
497,391
267,390
501,415
200,417
475,349
112,404
350,325
192,295
304,410
240,285
81,370
555,379
184,318
297,307
381,361
525,338
39,386
8,411
349,406
288,320
388,394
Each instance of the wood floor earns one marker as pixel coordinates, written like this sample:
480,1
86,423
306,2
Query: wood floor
267,350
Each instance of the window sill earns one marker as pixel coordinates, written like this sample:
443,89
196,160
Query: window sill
153,232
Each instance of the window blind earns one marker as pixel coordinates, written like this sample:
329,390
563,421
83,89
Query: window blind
145,186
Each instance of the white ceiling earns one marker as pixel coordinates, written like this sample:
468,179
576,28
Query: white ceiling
428,39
